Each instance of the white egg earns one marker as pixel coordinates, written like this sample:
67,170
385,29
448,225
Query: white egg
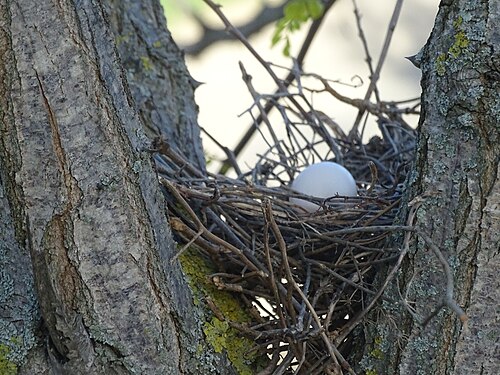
323,180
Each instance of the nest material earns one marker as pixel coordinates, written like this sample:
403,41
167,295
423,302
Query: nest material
309,276
306,277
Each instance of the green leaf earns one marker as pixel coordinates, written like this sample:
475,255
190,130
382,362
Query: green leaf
286,48
276,38
315,8
296,10
295,14
278,32
294,25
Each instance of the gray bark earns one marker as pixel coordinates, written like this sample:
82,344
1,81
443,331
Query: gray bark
162,88
456,173
86,285
80,202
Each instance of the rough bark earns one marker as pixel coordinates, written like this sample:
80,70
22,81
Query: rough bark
83,206
456,172
19,313
162,88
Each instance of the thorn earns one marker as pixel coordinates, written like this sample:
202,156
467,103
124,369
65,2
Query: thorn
195,83
416,59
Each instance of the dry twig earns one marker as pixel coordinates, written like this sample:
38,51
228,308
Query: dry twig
310,276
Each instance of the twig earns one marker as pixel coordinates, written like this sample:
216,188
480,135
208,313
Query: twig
248,81
210,35
240,253
230,157
286,82
361,34
334,353
237,33
271,274
376,74
186,246
406,248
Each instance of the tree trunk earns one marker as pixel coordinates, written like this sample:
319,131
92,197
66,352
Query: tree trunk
86,283
456,175
81,206
160,84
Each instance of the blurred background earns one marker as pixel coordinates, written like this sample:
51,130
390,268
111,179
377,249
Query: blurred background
336,53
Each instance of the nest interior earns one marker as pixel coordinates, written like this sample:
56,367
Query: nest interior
307,277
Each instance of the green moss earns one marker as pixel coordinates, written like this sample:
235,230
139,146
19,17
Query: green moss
377,352
121,39
200,349
157,44
217,332
6,366
224,338
458,22
146,63
460,44
220,334
441,64
371,372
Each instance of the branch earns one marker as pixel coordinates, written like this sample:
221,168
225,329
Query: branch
333,351
286,82
210,35
239,35
376,74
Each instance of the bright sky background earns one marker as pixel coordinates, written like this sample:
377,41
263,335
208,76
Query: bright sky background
336,53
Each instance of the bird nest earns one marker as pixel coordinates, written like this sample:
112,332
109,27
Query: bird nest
307,277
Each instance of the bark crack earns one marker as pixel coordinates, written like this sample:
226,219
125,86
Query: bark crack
57,275
74,193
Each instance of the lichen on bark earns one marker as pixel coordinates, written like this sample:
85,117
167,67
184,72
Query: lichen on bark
242,352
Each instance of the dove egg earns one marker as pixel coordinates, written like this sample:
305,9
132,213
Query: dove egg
323,180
